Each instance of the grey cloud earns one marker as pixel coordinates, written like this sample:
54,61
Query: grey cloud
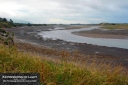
88,11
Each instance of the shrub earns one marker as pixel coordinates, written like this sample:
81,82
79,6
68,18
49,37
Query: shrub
6,38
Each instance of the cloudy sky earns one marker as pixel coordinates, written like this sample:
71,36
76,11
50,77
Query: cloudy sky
66,11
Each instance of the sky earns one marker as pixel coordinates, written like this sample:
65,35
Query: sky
65,11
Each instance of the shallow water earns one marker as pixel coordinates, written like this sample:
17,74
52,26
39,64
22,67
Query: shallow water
68,36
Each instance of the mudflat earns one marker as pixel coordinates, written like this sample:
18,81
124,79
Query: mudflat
29,35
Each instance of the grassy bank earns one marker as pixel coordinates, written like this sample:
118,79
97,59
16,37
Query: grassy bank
60,73
6,25
116,26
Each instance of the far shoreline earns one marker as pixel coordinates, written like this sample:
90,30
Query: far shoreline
91,35
99,33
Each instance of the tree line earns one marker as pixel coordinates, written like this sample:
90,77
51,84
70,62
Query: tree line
5,20
4,23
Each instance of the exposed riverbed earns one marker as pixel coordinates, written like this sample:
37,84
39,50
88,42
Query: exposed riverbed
56,37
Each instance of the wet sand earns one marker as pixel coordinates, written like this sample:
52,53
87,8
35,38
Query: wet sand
29,34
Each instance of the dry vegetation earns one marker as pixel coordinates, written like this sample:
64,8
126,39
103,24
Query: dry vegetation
60,72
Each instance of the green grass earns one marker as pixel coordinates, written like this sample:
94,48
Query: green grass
60,73
5,25
117,26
